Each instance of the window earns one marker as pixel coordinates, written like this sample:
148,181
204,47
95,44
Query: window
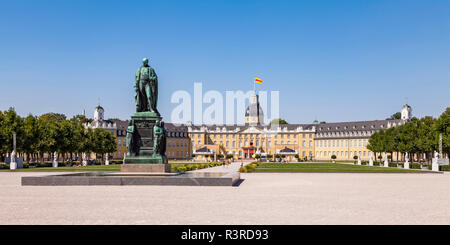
310,143
120,143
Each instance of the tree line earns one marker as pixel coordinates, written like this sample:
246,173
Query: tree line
37,136
418,137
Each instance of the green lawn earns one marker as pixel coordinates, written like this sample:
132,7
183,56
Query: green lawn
329,167
113,167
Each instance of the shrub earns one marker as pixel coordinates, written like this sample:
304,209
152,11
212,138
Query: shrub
376,163
392,164
243,169
181,169
444,168
4,166
189,167
256,163
250,168
415,166
44,165
355,157
174,168
333,157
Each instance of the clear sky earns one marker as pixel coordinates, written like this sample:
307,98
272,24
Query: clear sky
330,60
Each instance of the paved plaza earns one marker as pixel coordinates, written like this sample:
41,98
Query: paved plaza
262,198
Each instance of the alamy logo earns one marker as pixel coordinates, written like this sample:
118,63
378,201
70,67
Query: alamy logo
211,108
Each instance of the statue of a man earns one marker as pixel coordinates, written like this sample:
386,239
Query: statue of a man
130,132
160,134
146,88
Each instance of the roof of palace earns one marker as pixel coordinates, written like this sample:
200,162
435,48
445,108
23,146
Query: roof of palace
287,150
121,125
288,128
357,126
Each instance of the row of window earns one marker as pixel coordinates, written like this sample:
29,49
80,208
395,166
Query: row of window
338,154
257,143
176,143
342,143
227,136
177,154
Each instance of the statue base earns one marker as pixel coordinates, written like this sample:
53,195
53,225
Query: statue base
148,168
142,146
157,159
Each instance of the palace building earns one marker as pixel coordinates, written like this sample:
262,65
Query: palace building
311,141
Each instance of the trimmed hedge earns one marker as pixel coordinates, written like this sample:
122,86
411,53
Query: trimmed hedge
189,166
444,168
415,166
392,164
249,167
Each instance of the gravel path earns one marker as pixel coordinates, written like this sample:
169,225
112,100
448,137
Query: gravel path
262,198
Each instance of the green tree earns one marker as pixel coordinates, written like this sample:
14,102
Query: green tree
31,136
12,124
442,125
278,120
395,116
103,142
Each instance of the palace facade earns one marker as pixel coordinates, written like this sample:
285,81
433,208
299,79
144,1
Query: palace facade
311,141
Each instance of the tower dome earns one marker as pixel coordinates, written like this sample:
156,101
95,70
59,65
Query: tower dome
98,113
406,112
254,114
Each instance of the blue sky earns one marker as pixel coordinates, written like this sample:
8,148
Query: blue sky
330,60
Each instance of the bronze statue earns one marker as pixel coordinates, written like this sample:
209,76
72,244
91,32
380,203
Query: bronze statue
130,143
146,136
146,88
160,134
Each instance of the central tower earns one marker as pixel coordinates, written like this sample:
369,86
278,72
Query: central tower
254,115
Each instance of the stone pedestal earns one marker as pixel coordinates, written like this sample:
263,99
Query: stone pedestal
406,165
153,168
386,163
142,145
13,165
435,165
